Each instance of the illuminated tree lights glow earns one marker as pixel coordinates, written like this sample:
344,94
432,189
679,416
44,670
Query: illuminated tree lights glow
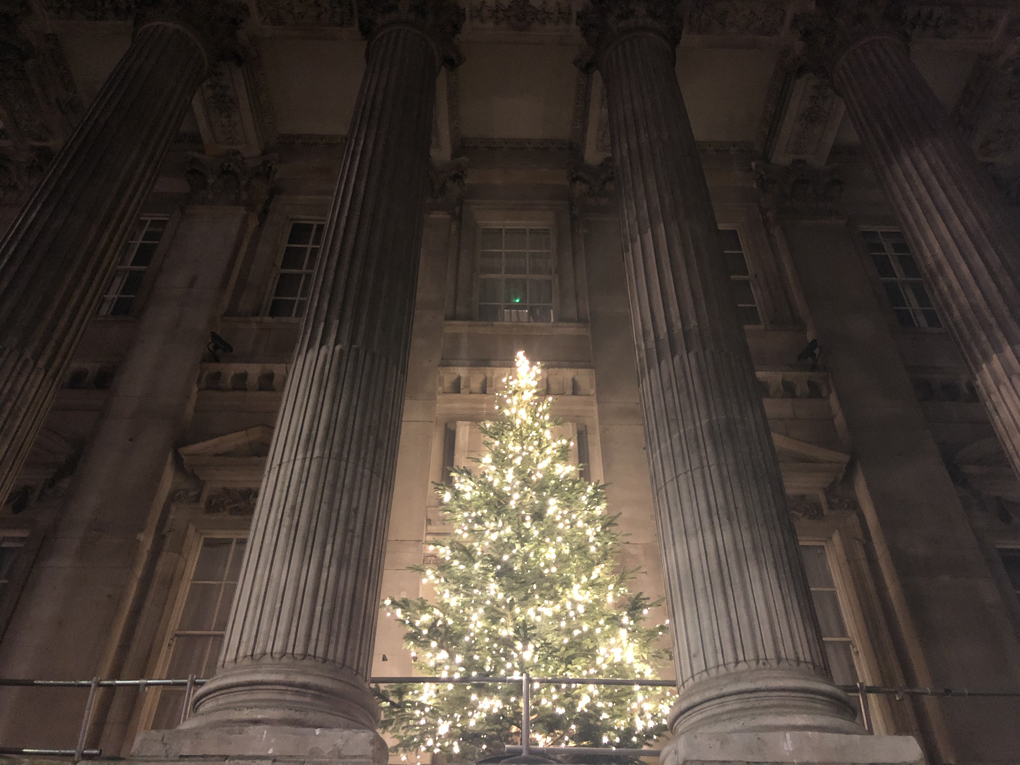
527,581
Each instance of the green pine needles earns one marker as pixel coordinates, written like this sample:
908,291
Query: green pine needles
528,581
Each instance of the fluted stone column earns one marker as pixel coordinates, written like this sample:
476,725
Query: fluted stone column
59,253
748,653
959,228
298,648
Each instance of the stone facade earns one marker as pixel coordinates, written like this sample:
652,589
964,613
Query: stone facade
780,324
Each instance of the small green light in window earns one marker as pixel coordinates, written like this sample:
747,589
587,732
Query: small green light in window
517,300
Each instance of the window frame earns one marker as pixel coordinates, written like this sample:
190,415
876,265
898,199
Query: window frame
878,281
281,245
478,276
141,297
201,528
750,278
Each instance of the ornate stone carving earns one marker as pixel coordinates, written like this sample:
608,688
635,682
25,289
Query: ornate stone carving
220,98
230,180
441,19
592,187
951,21
446,184
840,499
231,500
799,186
759,18
520,15
331,13
227,113
813,117
187,496
604,20
20,171
91,10
806,507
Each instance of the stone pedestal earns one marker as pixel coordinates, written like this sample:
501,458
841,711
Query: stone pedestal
57,256
297,653
791,748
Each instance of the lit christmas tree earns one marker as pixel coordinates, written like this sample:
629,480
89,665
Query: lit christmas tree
528,581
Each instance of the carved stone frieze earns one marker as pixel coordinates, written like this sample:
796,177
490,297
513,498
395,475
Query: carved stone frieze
330,13
758,18
520,15
230,180
90,10
230,500
230,112
592,187
441,19
806,507
840,499
799,187
187,496
951,21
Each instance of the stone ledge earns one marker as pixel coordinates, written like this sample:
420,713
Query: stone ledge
791,748
261,742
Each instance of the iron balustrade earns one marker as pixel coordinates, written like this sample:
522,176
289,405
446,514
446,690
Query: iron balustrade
526,681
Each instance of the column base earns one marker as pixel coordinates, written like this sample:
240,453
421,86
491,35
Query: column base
351,746
791,748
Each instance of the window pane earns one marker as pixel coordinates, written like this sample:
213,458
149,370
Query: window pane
538,239
283,308
742,292
289,285
1011,562
490,312
236,559
490,263
515,290
817,566
884,266
895,295
735,264
900,246
121,306
144,253
870,235
293,258
931,318
212,560
223,612
199,613
189,655
492,239
909,266
905,318
729,239
920,294
299,308
489,291
306,285
317,234
841,662
540,313
168,709
300,233
132,283
829,617
874,247
515,263
515,239
540,264
541,291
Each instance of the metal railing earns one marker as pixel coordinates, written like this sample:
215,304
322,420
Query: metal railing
526,681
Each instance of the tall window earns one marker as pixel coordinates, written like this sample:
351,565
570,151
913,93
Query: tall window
130,271
10,546
740,276
901,279
294,279
200,619
839,645
515,275
1011,562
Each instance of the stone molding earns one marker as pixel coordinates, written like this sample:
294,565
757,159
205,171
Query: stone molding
753,18
230,180
593,188
798,187
446,185
441,20
332,13
519,15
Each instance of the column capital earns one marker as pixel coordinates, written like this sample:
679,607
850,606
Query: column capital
604,22
214,25
440,20
835,26
230,180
